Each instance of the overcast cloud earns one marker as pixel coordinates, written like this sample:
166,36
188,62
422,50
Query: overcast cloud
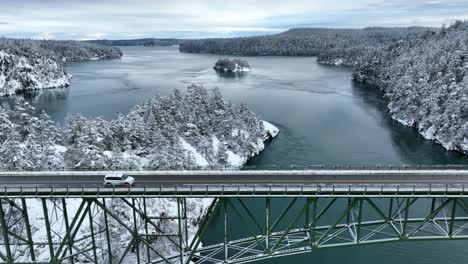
91,19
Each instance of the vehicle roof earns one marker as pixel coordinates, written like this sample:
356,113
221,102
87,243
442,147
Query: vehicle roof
115,174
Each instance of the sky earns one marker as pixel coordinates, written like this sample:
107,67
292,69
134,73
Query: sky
127,19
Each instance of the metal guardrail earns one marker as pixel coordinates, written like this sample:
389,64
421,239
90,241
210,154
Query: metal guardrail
406,171
234,190
265,167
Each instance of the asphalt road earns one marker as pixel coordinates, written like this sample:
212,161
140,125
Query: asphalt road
157,178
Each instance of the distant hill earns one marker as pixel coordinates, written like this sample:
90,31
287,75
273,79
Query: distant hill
138,42
332,46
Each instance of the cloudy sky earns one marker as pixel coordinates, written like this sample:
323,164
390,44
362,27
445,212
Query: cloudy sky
113,19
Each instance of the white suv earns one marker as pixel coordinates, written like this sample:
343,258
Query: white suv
116,179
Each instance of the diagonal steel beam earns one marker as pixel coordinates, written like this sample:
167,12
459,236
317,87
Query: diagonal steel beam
325,209
299,216
28,229
145,213
91,228
135,230
246,225
136,236
348,209
69,235
430,216
283,214
452,217
6,239
211,213
148,220
250,214
48,229
382,215
127,249
67,227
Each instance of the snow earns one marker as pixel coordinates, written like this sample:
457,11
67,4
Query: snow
239,68
429,133
403,121
338,62
270,128
464,144
199,159
2,80
235,160
216,143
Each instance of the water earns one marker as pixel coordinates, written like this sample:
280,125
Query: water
324,118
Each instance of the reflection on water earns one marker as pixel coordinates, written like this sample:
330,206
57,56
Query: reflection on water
413,149
231,75
52,101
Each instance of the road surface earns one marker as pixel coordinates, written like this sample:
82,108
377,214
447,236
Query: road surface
157,178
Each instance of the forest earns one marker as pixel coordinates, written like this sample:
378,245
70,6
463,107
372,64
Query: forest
425,80
329,45
163,42
188,130
38,64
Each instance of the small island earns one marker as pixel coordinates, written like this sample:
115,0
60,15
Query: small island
234,65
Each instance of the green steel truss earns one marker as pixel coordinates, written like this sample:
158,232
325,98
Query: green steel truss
234,229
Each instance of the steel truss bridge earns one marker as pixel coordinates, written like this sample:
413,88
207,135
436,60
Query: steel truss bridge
167,223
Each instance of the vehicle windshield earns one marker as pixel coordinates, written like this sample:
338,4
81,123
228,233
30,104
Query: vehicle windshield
124,177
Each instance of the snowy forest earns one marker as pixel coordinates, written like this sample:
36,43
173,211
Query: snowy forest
162,42
39,64
426,82
330,45
188,130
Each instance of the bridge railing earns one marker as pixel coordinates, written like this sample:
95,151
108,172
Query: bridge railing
243,190
255,167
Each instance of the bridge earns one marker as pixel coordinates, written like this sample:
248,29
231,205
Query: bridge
169,217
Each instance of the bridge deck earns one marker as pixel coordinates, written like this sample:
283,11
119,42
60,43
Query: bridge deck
229,183
330,208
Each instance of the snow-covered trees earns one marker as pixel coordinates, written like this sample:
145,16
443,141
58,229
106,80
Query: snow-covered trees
138,42
70,50
38,64
425,80
332,46
178,131
234,65
28,142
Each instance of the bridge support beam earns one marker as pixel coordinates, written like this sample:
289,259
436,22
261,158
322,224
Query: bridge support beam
249,228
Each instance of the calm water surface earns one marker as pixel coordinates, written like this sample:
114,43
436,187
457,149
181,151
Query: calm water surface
324,118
